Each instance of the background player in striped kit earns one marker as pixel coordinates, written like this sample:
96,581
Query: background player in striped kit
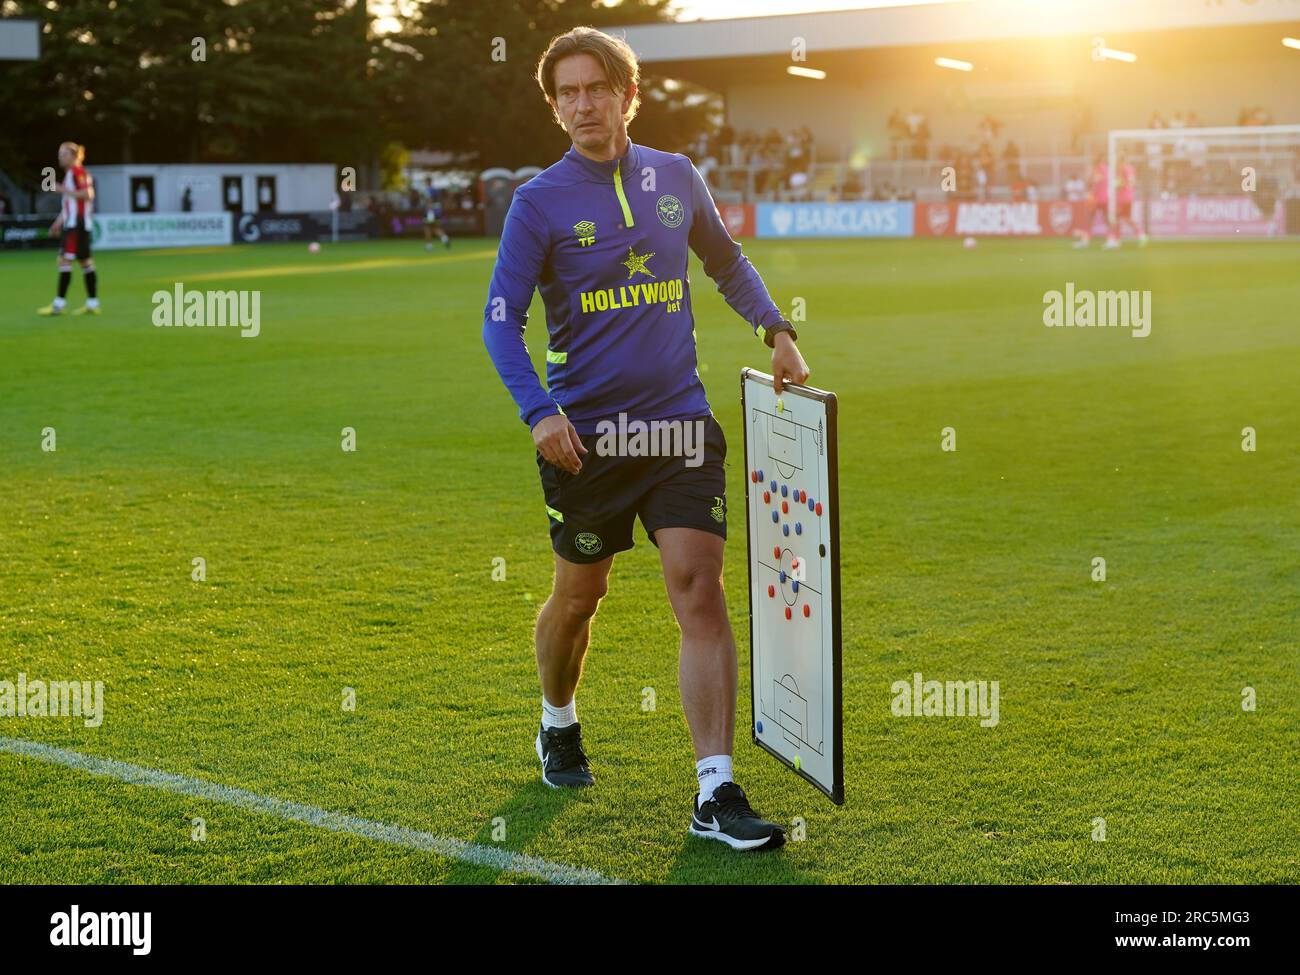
73,221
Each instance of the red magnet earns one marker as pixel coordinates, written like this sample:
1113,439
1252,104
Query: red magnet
767,498
776,552
787,612
771,591
818,509
785,507
806,610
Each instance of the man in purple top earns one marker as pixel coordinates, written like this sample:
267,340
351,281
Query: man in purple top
604,236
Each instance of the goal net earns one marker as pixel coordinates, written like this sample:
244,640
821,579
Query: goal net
1208,182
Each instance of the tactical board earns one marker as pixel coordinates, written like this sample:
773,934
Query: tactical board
792,525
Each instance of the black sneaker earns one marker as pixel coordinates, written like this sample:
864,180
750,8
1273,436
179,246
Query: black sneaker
564,763
729,818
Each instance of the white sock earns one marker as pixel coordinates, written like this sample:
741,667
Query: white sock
92,302
712,772
59,302
553,717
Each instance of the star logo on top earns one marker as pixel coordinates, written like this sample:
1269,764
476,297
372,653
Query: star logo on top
636,263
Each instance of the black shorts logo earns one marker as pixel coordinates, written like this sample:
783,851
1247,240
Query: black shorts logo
588,543
719,510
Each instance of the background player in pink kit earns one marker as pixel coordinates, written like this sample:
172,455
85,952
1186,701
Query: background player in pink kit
1124,207
74,221
1099,197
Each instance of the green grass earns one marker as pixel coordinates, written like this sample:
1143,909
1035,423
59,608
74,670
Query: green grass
372,570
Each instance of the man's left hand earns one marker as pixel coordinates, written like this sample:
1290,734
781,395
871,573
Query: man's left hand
787,364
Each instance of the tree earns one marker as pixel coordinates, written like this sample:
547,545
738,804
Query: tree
466,80
192,81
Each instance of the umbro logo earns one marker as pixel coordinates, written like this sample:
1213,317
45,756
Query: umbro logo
586,231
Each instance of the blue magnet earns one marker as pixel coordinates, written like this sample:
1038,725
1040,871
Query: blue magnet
795,585
785,529
785,490
772,485
783,577
798,528
760,473
810,504
760,727
776,516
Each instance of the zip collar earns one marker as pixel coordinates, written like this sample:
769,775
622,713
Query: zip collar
628,165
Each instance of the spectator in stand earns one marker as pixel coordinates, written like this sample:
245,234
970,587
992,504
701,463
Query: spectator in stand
1024,190
727,145
965,175
984,163
706,166
852,188
989,127
5,207
1011,158
897,129
1076,189
187,201
918,130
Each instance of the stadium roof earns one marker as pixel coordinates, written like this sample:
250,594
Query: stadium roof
953,22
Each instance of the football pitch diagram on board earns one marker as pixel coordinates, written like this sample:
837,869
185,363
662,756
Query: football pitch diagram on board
792,527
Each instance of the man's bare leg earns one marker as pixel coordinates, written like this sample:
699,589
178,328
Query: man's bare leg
564,625
692,563
562,635
707,672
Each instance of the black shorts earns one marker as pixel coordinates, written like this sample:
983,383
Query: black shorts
75,243
591,512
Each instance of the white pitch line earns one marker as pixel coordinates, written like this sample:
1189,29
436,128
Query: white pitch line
447,846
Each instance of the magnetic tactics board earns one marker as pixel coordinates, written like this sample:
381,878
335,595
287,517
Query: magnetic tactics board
792,524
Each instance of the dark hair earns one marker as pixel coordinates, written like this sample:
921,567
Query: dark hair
615,56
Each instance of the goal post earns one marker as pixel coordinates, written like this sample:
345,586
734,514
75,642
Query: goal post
1259,162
